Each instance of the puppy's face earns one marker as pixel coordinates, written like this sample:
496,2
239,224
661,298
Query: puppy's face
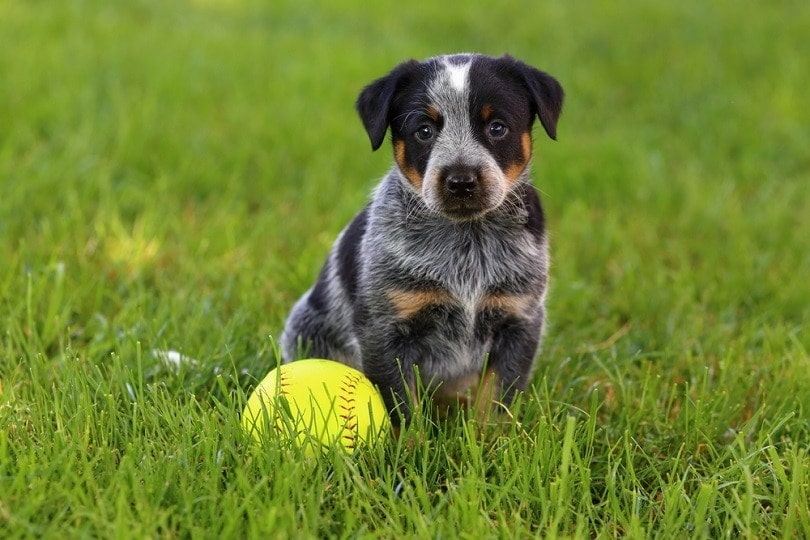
461,127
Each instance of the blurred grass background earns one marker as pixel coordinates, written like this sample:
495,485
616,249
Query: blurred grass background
172,175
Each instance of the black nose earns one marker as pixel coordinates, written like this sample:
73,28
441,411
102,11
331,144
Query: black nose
461,182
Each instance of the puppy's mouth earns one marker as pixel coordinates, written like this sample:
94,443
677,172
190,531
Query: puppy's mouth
464,211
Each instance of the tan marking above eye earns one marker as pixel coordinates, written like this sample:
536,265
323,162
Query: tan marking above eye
433,113
408,303
486,112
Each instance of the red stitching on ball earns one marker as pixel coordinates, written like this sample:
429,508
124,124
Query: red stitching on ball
283,384
346,403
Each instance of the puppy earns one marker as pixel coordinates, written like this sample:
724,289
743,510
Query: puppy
443,275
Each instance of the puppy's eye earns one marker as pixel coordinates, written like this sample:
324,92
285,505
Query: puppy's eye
497,130
424,133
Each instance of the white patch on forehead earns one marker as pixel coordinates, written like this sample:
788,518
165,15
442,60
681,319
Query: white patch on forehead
457,75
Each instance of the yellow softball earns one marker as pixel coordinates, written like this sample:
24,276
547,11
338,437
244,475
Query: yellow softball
316,403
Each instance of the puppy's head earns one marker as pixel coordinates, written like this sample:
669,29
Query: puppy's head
461,126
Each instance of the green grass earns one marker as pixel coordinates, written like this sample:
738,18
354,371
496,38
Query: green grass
173,173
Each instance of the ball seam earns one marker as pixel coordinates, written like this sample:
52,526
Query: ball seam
346,404
283,385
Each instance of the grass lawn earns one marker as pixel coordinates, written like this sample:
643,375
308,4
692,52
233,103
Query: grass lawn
172,175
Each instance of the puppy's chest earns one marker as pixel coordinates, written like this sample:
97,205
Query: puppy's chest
470,273
472,267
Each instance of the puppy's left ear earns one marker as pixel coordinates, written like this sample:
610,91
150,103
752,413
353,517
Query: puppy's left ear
546,92
374,102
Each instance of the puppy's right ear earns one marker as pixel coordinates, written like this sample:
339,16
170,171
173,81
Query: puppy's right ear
374,102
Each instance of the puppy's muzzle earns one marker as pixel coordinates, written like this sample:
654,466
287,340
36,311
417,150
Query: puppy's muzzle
461,183
460,189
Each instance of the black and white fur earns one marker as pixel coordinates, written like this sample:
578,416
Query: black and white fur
446,268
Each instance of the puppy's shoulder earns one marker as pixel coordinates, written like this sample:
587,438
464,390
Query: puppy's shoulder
346,257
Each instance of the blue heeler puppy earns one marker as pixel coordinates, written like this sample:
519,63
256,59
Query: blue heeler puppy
446,268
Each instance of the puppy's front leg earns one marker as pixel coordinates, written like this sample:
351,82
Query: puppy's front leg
389,361
405,328
514,346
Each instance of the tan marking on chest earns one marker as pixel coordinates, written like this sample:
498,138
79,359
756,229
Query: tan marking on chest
518,305
408,303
